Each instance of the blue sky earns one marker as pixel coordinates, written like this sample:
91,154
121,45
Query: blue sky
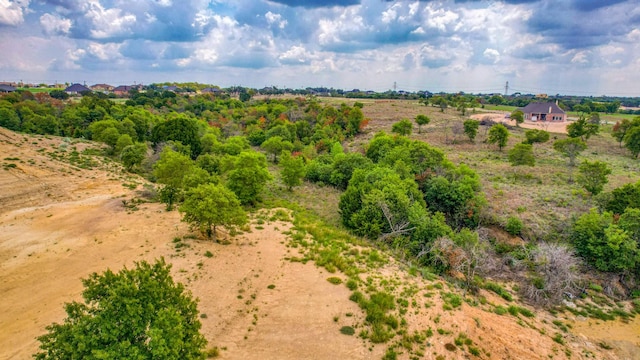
581,47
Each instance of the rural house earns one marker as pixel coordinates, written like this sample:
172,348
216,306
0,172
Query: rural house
123,90
6,88
547,111
77,89
104,88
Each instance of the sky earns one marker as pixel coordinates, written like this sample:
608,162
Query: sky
568,47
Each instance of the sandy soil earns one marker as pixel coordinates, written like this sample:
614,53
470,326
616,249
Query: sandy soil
553,127
59,223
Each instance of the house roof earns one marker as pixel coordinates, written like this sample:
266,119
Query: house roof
210,90
78,88
542,108
101,86
124,88
6,88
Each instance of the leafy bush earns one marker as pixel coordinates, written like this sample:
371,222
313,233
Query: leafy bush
139,313
514,225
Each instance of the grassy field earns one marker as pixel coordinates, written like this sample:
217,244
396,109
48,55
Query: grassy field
545,197
37,90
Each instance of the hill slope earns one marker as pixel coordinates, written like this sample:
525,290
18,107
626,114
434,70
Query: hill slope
62,217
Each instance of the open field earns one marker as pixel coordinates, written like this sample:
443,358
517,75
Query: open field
61,220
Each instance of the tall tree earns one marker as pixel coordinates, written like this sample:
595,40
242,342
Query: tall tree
422,120
248,176
570,148
632,140
498,134
518,117
208,206
170,170
275,145
471,128
293,169
582,129
593,176
136,313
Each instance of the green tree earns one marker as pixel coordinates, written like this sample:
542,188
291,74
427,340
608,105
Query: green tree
536,136
178,127
59,94
110,137
170,170
133,314
582,128
422,120
471,128
518,117
123,141
208,206
604,244
9,119
627,196
402,127
248,176
632,140
620,129
498,134
522,154
570,148
132,155
275,145
293,169
593,176
456,193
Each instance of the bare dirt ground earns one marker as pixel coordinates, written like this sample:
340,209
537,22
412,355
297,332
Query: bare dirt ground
59,223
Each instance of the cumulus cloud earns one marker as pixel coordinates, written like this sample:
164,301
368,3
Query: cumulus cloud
12,12
333,40
275,19
55,25
317,3
296,55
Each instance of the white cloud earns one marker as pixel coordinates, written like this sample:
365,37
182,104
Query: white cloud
492,54
440,18
295,55
12,12
339,29
104,52
581,57
108,23
391,14
54,25
275,19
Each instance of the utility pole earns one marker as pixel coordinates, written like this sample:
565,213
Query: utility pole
506,88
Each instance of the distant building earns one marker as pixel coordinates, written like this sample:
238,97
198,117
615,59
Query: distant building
76,89
6,88
123,90
547,111
210,90
105,88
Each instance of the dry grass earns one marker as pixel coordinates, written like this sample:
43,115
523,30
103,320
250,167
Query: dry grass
544,196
